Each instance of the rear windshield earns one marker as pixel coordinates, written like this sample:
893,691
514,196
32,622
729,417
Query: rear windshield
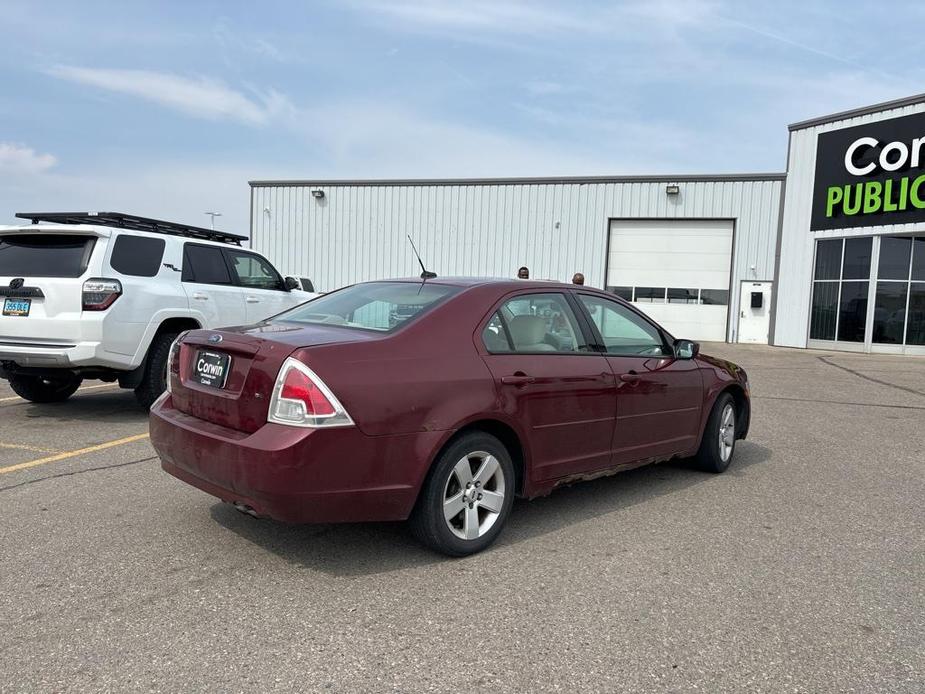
381,306
45,255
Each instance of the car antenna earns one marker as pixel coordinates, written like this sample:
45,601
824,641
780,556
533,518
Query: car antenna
425,273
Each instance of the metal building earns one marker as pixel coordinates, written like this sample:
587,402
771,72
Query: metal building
686,249
829,255
852,248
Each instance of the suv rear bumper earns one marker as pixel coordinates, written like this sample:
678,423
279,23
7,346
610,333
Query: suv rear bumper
59,355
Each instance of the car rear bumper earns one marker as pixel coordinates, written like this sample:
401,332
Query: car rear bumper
292,474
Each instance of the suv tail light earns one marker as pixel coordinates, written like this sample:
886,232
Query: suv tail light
301,399
99,293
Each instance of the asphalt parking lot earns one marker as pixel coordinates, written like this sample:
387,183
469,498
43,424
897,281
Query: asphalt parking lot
802,569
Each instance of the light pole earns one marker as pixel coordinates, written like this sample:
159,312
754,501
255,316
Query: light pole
212,216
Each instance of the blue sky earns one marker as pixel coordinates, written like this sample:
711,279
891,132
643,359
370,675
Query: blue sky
168,109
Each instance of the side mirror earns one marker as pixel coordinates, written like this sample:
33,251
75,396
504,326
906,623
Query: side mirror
307,285
686,349
291,283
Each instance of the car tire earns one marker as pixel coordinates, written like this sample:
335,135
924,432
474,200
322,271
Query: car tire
481,461
44,390
154,381
719,436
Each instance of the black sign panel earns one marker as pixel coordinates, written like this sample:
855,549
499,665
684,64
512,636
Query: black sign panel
870,175
211,368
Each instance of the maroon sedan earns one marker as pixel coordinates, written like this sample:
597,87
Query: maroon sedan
438,401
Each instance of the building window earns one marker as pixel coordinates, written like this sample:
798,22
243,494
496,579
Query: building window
842,283
625,293
651,295
839,304
673,295
715,297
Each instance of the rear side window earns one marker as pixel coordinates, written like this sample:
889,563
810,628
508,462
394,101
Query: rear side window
205,265
137,255
45,255
534,323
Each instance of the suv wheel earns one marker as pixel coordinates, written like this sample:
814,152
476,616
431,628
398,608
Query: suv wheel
154,381
44,390
467,497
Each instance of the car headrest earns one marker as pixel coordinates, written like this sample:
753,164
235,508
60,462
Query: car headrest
527,330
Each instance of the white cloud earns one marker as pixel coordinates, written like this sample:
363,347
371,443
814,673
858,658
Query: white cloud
18,158
508,17
201,97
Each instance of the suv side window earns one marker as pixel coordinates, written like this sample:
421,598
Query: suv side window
534,323
254,272
624,332
205,265
139,256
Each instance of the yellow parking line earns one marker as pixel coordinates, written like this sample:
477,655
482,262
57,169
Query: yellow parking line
79,390
71,454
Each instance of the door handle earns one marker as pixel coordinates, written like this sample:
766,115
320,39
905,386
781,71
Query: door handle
199,296
631,377
252,300
517,380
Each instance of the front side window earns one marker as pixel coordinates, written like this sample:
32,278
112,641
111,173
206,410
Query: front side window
254,272
379,306
45,255
534,323
624,332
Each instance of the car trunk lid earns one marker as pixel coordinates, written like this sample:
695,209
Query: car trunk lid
227,376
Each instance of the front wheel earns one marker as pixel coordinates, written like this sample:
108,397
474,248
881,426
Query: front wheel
44,390
719,437
467,497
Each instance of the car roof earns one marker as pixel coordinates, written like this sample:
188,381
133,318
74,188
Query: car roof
500,282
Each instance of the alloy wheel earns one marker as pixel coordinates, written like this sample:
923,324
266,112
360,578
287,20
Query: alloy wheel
473,495
727,432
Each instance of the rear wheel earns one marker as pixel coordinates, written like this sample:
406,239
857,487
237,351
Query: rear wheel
719,437
154,381
467,497
44,390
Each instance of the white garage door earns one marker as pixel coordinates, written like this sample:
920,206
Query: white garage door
677,271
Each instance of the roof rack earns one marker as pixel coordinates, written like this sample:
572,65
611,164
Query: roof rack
130,221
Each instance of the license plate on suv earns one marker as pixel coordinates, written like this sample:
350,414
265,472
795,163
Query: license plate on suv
16,307
211,368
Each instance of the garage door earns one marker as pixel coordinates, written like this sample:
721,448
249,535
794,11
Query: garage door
677,271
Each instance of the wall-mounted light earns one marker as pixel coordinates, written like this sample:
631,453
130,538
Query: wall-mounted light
318,194
672,189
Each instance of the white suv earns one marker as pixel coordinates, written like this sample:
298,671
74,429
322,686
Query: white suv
103,295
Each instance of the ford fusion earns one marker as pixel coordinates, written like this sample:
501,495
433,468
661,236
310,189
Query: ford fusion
438,401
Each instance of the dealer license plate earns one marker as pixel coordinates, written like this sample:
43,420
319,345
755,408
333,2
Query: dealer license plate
211,368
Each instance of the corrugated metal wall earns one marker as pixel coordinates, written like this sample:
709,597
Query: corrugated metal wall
357,231
794,290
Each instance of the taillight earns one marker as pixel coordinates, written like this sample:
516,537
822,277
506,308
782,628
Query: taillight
99,293
173,362
301,399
